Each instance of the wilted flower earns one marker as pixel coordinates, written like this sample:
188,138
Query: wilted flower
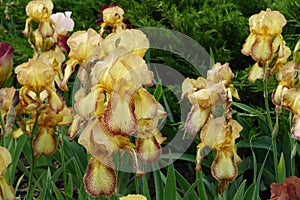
6,191
289,189
6,62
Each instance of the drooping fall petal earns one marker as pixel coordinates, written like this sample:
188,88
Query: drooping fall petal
6,191
196,119
224,169
256,72
148,148
119,115
99,179
5,159
44,142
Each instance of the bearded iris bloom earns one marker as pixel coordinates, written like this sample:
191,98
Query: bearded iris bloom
116,107
217,133
265,43
38,97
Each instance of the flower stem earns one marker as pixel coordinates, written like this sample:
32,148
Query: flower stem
270,124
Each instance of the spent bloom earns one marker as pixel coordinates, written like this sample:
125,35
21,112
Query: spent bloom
216,132
6,62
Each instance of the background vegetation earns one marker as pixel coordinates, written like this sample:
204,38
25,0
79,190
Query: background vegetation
221,27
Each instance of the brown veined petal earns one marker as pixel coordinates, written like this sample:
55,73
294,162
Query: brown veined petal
6,191
278,93
296,127
148,148
55,102
291,100
247,46
262,48
133,197
146,106
44,142
119,115
196,119
99,179
256,72
75,127
224,169
70,68
5,159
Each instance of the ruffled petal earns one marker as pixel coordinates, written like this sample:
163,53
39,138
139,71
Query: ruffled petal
99,179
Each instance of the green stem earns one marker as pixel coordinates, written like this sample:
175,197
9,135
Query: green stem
270,124
32,163
3,130
62,153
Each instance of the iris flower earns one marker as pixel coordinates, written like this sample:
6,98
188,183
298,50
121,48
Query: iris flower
217,133
38,97
265,43
116,107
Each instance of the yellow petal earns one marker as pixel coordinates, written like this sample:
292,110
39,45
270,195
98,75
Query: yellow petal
5,159
56,103
39,9
220,73
196,119
70,68
119,115
247,46
262,49
148,148
255,73
35,74
134,41
75,127
91,105
133,197
146,106
291,100
99,179
44,142
6,191
83,43
223,168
